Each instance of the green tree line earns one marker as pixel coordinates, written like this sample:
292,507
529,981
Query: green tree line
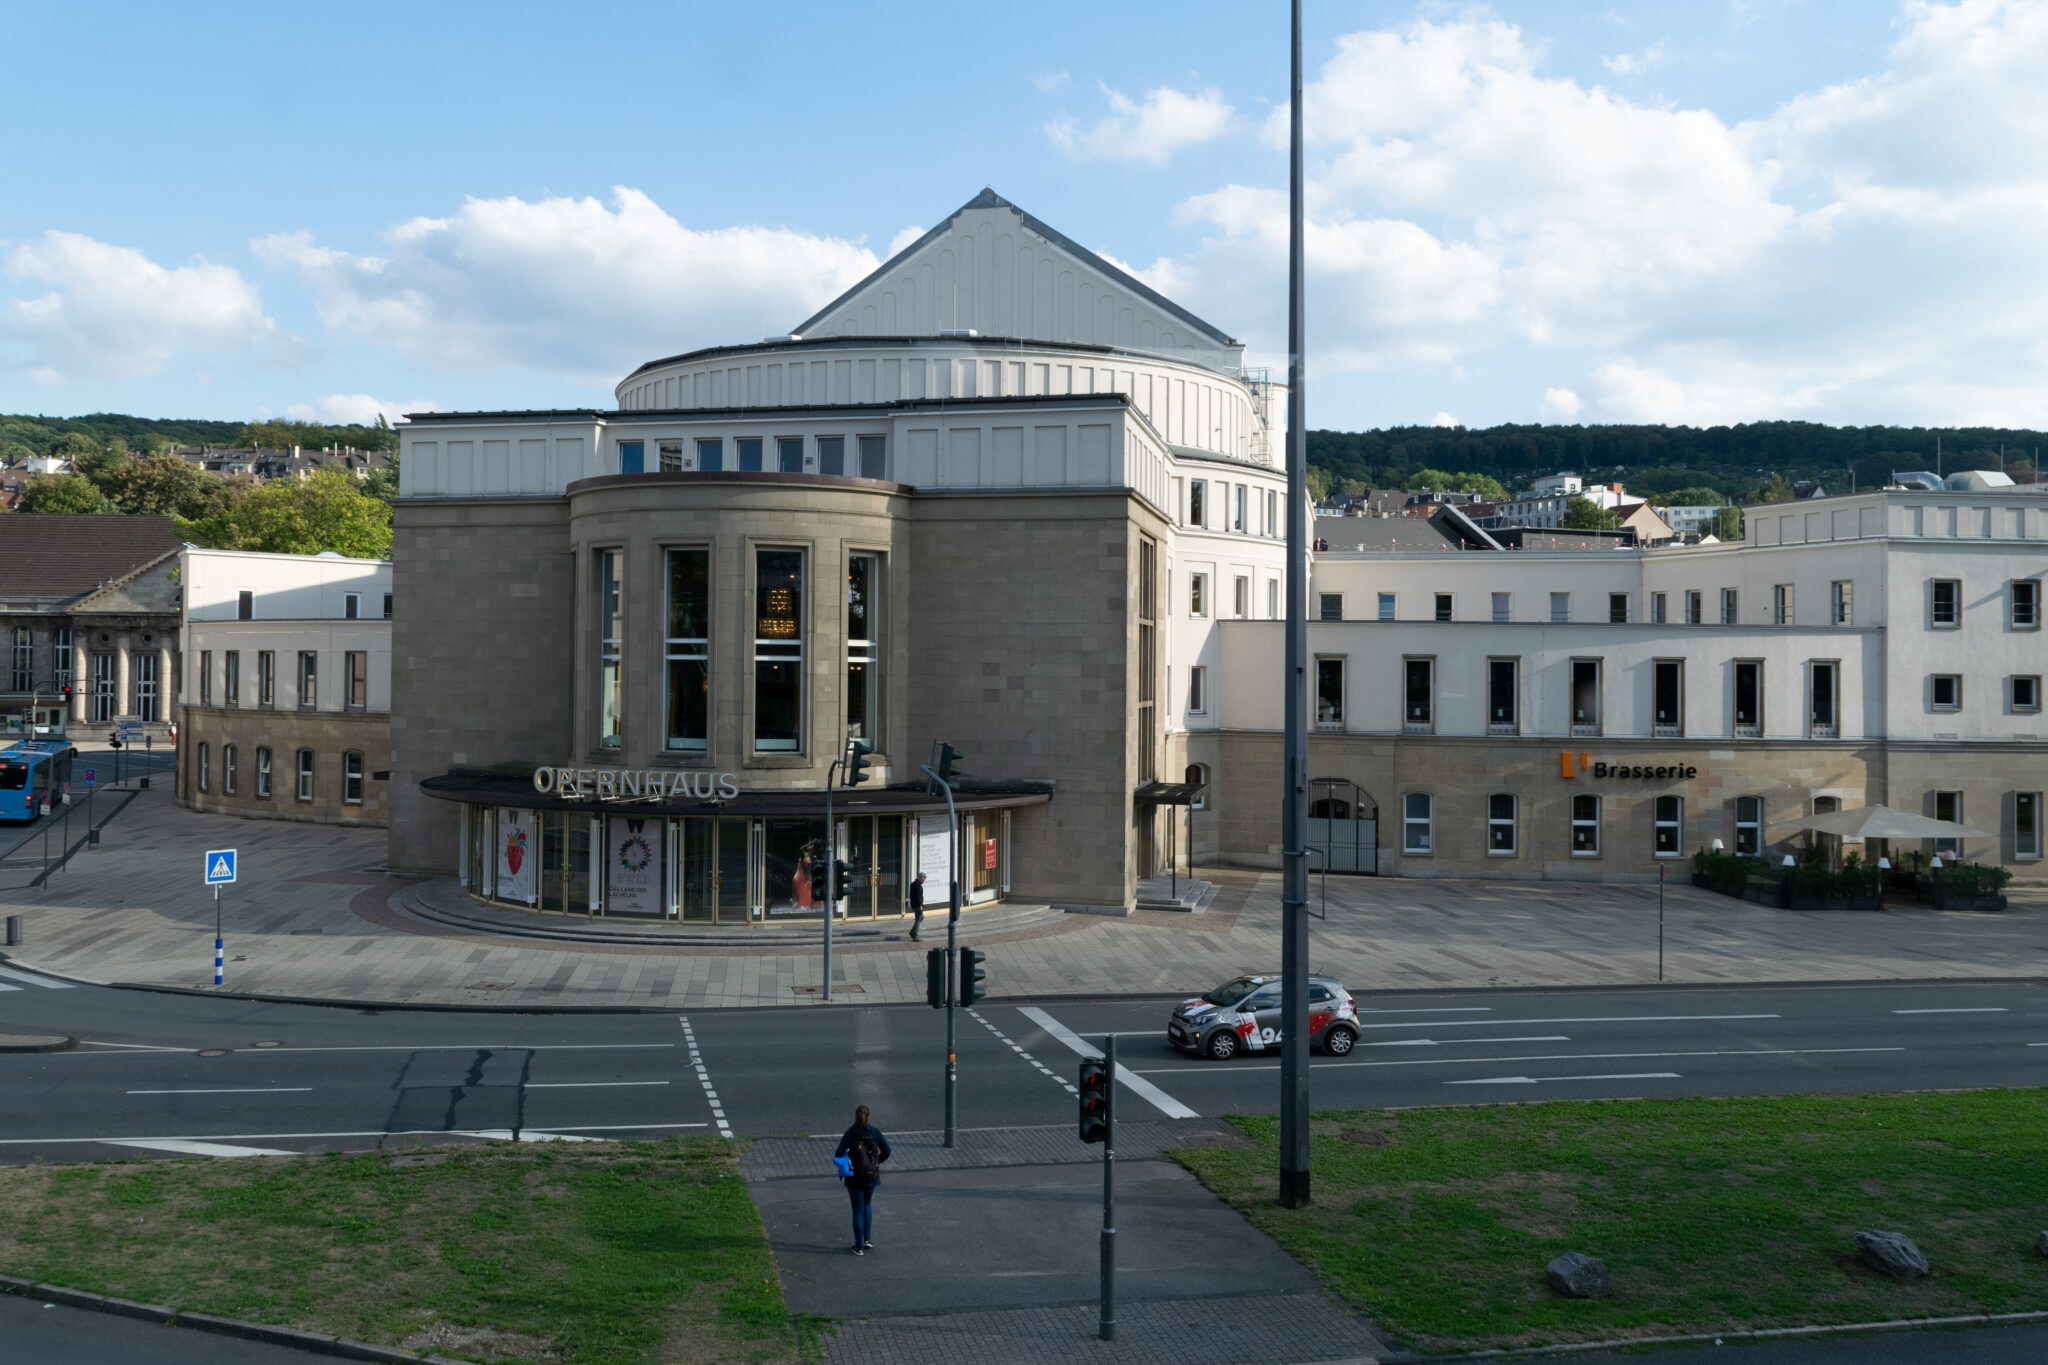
22,436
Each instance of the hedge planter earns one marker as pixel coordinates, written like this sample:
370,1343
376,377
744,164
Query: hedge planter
1968,902
1765,893
1706,883
1834,902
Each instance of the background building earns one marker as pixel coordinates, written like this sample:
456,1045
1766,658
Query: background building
286,703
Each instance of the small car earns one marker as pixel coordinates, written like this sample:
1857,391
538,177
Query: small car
1243,1015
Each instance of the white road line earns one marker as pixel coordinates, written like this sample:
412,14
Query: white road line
380,1047
5,987
243,1090
125,1047
187,1147
1594,1019
1976,1009
704,1077
357,1133
28,978
1532,1080
1465,1042
1144,1089
1225,1070
585,1085
1043,1069
1448,1009
523,1135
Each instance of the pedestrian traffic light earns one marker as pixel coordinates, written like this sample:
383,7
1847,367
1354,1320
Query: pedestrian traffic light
935,978
857,751
817,883
947,764
844,880
1095,1099
972,975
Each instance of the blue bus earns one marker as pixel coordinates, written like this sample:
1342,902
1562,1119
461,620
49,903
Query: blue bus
32,772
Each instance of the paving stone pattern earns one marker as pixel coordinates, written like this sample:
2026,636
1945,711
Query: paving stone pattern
795,1158
314,915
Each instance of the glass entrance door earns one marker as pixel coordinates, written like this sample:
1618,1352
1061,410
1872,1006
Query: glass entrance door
697,882
873,846
735,860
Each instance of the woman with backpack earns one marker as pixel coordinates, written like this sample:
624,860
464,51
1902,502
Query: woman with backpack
863,1150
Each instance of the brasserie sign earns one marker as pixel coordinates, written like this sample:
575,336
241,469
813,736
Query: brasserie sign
634,784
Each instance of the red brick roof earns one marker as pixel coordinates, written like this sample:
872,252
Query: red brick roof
69,556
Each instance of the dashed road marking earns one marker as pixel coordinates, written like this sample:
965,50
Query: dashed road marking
1043,1069
704,1077
1532,1080
1144,1089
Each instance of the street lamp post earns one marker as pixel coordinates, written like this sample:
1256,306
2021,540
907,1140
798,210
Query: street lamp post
943,755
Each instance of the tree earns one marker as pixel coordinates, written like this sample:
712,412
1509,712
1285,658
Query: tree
1318,484
63,494
1429,481
163,484
383,482
1583,514
1480,485
1728,523
326,512
1779,489
1688,497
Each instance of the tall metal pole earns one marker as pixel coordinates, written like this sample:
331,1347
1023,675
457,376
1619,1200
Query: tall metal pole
1294,1182
952,953
1107,1326
831,875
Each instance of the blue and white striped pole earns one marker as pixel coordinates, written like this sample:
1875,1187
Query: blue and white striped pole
219,943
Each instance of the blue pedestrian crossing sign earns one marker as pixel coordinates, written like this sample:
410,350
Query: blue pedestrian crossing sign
220,866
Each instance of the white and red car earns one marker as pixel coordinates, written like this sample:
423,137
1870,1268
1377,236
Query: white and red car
1243,1015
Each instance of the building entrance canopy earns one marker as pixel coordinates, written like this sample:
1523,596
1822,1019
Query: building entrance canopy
496,788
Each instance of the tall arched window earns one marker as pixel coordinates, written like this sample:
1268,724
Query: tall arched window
1198,777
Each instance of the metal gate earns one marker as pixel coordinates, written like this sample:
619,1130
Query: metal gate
1343,827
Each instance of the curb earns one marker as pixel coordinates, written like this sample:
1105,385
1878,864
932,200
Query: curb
315,1343
1717,1338
35,1042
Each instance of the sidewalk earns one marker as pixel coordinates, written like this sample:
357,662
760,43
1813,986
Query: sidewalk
315,915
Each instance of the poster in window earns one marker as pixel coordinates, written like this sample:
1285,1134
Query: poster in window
518,855
988,855
933,847
633,875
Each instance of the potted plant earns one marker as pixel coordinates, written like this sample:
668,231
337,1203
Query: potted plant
1970,886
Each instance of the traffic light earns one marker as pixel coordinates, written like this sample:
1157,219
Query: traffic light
845,881
971,975
935,978
948,764
817,883
857,751
1095,1097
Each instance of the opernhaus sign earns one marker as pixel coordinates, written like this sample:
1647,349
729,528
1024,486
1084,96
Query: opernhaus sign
633,784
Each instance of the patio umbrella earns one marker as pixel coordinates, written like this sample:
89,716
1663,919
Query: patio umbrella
1880,822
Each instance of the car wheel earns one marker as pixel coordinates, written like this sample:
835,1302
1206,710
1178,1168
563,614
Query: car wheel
1339,1040
1223,1045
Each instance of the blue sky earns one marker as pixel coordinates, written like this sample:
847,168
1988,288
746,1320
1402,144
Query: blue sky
1717,210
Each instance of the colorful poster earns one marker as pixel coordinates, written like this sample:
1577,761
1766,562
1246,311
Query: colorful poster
518,855
633,871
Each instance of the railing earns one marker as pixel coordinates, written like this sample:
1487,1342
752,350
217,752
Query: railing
1585,730
1667,730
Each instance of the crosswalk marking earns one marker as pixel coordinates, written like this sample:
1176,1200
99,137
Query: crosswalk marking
187,1148
1144,1089
26,979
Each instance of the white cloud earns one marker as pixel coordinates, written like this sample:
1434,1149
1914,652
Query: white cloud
341,409
1444,419
1167,121
111,312
1635,63
1560,405
569,286
903,239
1049,81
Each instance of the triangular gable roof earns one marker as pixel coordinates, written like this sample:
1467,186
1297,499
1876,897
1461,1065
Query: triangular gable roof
112,596
1042,307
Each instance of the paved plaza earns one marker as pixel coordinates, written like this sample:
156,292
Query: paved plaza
315,915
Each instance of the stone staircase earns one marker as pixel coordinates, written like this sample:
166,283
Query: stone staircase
1191,897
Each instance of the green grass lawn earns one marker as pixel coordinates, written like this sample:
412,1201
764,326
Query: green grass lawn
1712,1215
595,1252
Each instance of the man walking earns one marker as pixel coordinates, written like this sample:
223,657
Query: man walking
863,1150
916,906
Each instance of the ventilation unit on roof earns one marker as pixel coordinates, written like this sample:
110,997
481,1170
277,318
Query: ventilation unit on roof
1924,480
958,332
1978,480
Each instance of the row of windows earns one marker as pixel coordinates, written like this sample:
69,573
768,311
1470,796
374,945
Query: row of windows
1500,607
778,648
1218,506
21,675
302,771
756,454
351,606
1240,597
355,679
1944,605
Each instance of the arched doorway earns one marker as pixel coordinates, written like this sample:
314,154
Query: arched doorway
1343,826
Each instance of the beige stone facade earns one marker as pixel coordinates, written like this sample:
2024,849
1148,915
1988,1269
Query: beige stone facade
231,744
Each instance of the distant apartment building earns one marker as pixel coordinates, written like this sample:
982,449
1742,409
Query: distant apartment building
286,699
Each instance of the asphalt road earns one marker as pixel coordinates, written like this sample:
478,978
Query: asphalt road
170,1075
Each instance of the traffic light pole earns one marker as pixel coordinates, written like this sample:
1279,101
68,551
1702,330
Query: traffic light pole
952,952
831,874
1108,1324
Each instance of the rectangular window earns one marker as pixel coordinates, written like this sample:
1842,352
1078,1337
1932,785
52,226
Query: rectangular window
1749,826
266,678
874,457
1949,806
1237,508
205,678
789,454
611,629
1731,610
671,457
2025,596
632,457
1692,607
304,791
1198,594
1945,691
1242,597
1198,691
1198,503
1560,606
1502,706
1821,723
1272,513
1329,694
62,640
387,606
263,773
749,454
356,679
245,606
2026,832
778,650
1418,695
1670,826
1148,658
710,455
832,455
1781,605
1749,698
2026,692
230,765
352,779
1842,603
1617,608
205,767
864,648
1657,609
309,679
102,688
1500,825
1501,603
1330,606
1667,700
1945,603
1443,606
1386,606
1272,599
1585,826
145,687
1585,696
686,651
231,677
1418,822
351,606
